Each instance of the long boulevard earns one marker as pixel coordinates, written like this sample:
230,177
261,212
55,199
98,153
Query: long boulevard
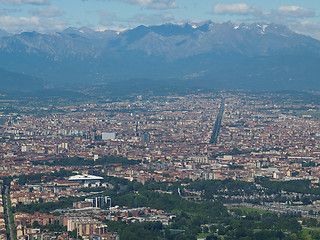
7,212
217,125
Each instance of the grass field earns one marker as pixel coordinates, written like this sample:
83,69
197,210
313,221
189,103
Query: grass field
203,235
246,209
307,233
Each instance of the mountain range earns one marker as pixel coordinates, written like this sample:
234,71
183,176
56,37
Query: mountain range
211,55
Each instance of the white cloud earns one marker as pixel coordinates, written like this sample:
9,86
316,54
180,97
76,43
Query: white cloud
295,11
279,14
154,4
163,4
237,8
52,11
114,28
307,28
21,2
19,24
138,2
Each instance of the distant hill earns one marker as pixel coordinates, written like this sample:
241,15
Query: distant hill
10,81
213,55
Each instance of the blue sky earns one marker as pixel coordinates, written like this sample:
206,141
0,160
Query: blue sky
56,15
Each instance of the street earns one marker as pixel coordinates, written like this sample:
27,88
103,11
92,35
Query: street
6,195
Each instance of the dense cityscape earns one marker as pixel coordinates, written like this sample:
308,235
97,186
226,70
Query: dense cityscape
79,170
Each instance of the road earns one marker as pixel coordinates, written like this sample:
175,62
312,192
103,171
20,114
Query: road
216,130
6,195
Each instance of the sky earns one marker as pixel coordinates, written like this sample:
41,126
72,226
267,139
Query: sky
302,16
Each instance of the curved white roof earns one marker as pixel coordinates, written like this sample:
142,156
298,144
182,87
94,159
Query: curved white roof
84,177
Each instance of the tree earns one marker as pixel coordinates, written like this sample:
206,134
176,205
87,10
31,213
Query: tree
36,224
212,237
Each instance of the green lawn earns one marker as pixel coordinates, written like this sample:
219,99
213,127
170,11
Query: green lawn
203,235
247,210
305,234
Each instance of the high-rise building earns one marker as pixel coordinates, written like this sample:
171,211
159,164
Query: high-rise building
99,201
93,135
24,148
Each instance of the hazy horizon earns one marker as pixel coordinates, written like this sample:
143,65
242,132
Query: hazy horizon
54,15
